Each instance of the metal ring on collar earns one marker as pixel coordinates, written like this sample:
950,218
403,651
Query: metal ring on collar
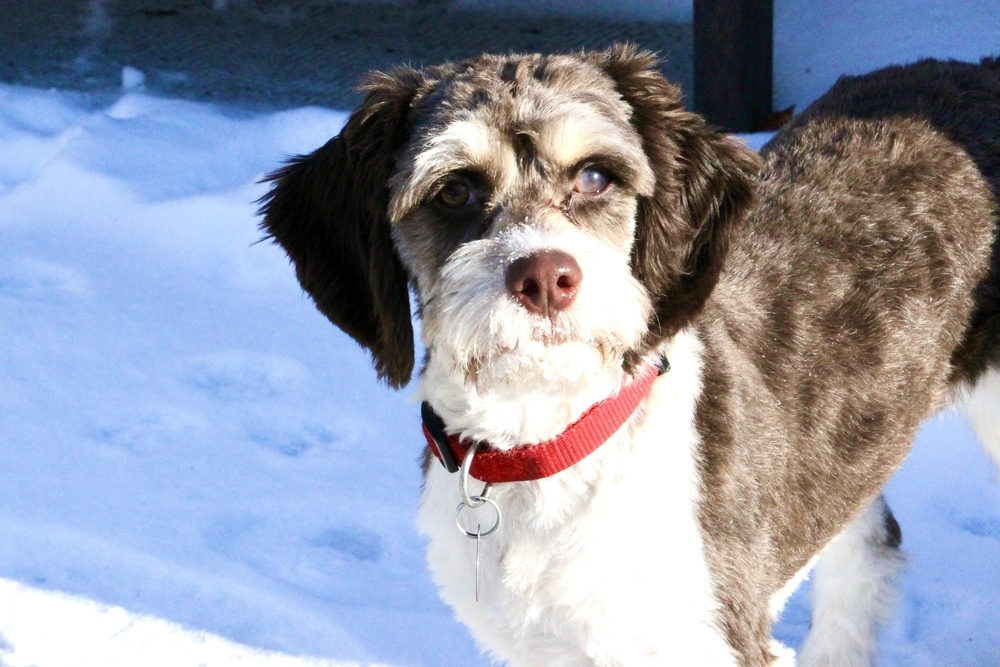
483,500
463,481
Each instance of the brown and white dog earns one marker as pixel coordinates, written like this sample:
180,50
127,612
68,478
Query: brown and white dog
564,224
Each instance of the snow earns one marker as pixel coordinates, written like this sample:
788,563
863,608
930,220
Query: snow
184,436
198,469
95,635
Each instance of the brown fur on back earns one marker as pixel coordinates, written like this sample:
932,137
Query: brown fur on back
962,101
843,317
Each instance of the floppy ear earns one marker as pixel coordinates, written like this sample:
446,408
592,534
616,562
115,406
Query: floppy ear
328,211
704,185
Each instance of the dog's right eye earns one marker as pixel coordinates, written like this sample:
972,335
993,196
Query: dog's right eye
591,181
456,194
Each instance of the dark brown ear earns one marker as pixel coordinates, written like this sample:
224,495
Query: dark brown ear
704,185
328,211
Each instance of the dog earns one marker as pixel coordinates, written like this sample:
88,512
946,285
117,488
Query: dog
683,371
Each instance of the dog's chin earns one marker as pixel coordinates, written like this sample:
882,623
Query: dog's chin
525,394
547,361
541,335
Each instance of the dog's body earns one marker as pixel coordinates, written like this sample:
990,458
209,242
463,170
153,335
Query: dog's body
563,223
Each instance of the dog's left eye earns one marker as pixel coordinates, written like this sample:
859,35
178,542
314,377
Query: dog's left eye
456,194
591,181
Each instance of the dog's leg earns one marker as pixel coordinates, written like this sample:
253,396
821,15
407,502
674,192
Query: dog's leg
982,405
854,591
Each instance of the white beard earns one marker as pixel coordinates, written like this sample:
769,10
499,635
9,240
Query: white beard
499,373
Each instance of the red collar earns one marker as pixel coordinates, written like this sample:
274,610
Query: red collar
522,464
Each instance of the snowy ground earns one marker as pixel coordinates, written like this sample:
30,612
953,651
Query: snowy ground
182,434
198,469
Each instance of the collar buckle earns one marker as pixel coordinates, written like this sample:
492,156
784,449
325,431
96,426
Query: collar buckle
437,438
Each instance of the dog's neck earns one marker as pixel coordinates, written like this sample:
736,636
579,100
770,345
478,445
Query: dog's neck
541,460
520,402
511,401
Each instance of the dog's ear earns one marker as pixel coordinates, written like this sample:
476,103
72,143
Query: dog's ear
328,211
704,185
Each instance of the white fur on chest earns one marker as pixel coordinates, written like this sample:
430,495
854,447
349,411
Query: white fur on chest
601,564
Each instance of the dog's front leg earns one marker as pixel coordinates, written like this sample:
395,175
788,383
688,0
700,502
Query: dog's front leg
854,591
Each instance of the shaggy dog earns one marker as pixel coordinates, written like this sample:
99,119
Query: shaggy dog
685,371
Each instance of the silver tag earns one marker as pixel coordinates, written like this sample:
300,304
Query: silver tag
478,535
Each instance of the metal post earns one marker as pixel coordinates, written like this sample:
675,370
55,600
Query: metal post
734,62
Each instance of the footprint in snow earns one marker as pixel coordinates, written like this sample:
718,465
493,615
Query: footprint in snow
292,442
33,279
982,526
242,374
358,543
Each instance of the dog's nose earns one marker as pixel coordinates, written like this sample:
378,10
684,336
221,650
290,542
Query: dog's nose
545,282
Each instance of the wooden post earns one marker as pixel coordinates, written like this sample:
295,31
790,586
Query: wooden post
734,62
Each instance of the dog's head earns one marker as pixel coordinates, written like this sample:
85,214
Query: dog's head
541,207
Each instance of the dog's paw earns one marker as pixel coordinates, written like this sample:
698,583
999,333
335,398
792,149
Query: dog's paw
846,653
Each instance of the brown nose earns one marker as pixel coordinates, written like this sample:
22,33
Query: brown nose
545,282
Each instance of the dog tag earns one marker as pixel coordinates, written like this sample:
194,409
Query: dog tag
479,540
478,535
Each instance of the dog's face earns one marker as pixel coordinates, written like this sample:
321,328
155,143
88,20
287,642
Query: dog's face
554,215
513,208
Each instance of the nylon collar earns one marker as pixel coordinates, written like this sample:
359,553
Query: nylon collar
533,462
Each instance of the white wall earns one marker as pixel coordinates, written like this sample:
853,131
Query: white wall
816,41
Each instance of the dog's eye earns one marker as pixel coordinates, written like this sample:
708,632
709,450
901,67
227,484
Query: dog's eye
591,181
457,193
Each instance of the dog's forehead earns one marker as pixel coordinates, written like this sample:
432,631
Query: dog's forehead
482,114
521,95
521,89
